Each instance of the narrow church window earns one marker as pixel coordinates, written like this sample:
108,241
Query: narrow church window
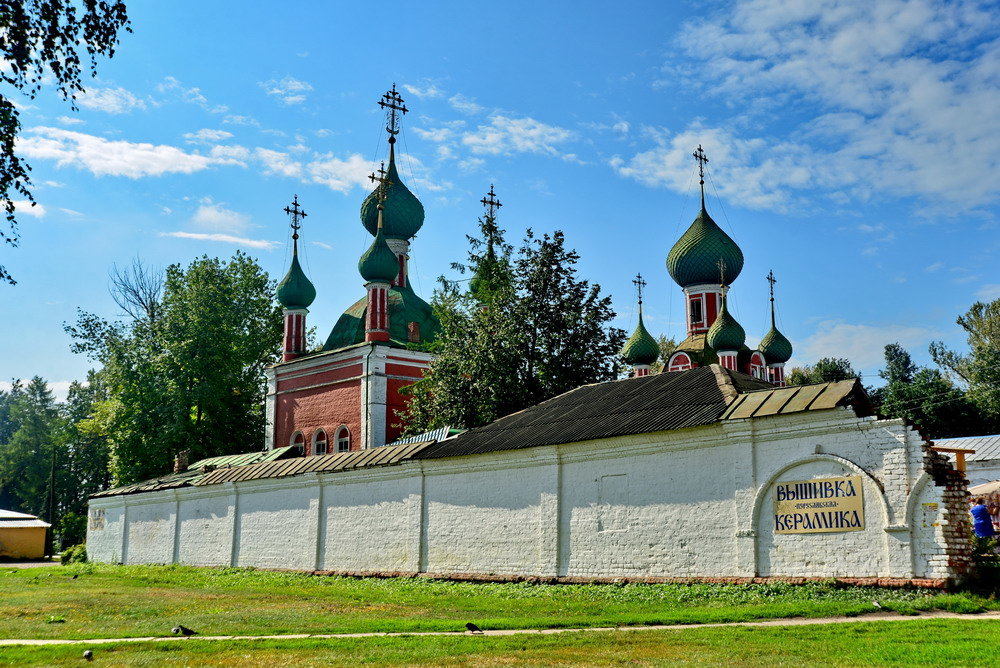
696,310
319,442
298,440
343,440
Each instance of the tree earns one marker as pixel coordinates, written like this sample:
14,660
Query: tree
980,367
185,372
827,370
667,346
525,330
43,41
26,457
925,398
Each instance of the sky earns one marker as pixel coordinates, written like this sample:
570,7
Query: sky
853,150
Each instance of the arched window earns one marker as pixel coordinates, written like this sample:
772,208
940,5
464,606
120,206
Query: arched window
319,442
299,440
679,362
343,439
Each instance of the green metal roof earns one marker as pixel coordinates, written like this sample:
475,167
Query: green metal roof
775,347
641,347
725,333
295,290
403,214
405,306
379,263
694,259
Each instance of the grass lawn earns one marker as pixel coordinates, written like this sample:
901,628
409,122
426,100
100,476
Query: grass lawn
127,601
930,642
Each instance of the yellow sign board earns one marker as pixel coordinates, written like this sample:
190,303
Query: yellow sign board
821,505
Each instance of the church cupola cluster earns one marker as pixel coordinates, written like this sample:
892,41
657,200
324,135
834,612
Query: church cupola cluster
705,262
391,311
295,293
641,350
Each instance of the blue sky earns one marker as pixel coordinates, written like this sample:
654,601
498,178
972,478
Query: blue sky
853,149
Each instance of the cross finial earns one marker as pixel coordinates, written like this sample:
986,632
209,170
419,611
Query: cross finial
702,159
639,285
491,203
772,280
393,103
721,264
297,214
383,183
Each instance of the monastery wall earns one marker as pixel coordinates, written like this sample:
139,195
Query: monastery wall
693,503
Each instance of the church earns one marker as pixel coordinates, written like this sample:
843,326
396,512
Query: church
712,469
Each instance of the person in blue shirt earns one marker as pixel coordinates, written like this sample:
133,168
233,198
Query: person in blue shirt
982,523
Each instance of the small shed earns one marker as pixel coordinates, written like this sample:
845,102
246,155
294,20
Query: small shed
22,536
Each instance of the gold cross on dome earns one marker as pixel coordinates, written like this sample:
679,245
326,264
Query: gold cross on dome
491,203
296,213
393,103
383,182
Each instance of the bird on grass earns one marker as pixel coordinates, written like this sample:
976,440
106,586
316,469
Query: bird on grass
877,605
75,576
180,629
88,655
473,628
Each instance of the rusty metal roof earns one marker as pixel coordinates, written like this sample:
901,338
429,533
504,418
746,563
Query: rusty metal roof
198,470
332,463
785,400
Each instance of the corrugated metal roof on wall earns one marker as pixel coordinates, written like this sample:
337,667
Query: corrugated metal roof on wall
782,401
986,447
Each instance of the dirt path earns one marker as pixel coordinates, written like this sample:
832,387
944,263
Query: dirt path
874,617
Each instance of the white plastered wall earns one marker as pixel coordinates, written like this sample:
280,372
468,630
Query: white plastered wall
687,503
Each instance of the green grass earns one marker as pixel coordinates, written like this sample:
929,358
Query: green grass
129,601
910,643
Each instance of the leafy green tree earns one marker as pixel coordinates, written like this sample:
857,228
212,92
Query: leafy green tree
826,370
925,398
43,43
980,367
26,458
185,372
667,346
525,330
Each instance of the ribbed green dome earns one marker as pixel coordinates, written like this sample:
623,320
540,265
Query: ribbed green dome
641,347
405,306
379,263
725,333
694,259
295,290
403,212
775,347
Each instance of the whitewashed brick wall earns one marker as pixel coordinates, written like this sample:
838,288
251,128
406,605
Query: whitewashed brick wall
688,503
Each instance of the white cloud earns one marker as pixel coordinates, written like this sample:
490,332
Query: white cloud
427,92
70,120
466,105
288,90
70,212
25,208
115,158
863,345
322,245
937,266
172,87
110,100
206,136
53,184
435,134
224,238
276,162
236,119
340,175
864,96
505,135
989,292
212,215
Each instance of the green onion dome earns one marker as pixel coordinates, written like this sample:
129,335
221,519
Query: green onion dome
295,290
405,307
694,259
725,333
379,263
403,212
641,348
775,347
